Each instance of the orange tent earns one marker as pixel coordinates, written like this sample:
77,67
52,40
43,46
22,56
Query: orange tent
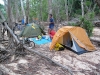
77,34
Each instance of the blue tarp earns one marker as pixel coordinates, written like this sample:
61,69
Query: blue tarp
41,41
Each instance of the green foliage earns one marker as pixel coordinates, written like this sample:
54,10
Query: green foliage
88,3
91,16
86,23
62,16
88,26
76,7
97,10
3,9
38,7
78,11
72,24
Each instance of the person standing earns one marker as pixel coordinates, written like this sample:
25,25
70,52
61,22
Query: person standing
51,24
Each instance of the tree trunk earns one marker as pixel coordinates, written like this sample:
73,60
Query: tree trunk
10,24
12,15
70,6
66,8
10,31
17,11
23,11
49,8
9,17
27,11
41,10
0,31
57,12
82,7
98,2
5,3
9,14
40,18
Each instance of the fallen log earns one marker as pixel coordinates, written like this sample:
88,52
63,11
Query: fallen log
62,66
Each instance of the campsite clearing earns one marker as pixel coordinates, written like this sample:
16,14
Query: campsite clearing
87,63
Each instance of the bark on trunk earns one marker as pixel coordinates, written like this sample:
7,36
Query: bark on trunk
41,19
66,8
12,15
23,11
10,31
82,7
98,2
9,14
17,11
27,11
49,8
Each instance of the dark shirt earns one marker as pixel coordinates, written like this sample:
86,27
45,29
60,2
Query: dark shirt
51,25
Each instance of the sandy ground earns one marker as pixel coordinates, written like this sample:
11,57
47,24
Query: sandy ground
32,64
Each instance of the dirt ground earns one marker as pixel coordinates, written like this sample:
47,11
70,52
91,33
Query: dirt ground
32,64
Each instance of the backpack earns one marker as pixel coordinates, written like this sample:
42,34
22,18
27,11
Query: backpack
58,47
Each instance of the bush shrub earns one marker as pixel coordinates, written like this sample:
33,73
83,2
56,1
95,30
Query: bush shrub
87,23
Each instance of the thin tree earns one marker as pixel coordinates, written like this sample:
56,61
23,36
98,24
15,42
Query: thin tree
10,23
98,2
82,7
27,11
23,11
56,9
9,14
49,8
66,8
17,11
41,10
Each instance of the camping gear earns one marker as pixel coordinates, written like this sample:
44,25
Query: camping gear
46,36
39,37
73,37
52,33
31,30
58,47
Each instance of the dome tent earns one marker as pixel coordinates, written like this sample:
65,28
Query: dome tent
31,30
73,37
